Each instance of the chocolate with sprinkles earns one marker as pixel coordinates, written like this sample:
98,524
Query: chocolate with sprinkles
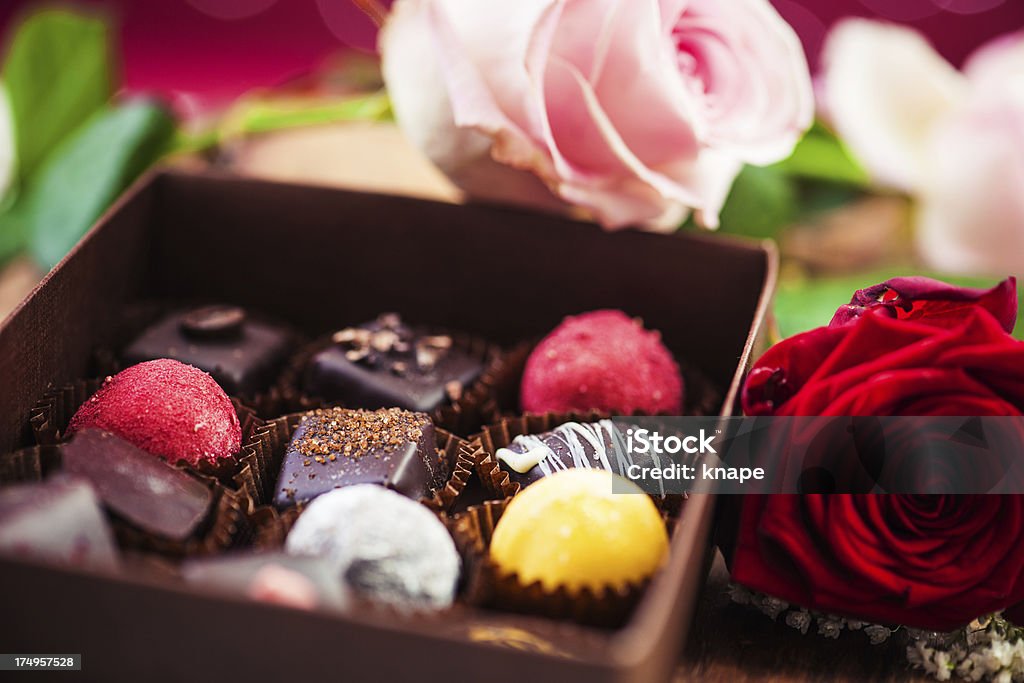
336,447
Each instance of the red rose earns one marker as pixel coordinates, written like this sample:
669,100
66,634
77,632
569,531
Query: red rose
928,561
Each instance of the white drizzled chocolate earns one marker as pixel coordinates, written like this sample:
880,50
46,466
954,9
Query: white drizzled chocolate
596,445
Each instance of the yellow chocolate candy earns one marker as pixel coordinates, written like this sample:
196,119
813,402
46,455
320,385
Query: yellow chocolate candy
569,529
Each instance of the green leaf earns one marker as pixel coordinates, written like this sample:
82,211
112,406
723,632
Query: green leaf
821,156
804,304
762,202
58,72
87,172
13,235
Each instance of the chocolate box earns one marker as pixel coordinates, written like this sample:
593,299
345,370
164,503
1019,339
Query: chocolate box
312,256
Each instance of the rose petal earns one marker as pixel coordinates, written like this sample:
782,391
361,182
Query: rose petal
784,369
885,88
483,56
596,167
751,76
878,344
931,301
418,91
418,88
971,217
998,64
638,64
840,554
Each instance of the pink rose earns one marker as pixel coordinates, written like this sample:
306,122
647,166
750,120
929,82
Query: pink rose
634,110
953,140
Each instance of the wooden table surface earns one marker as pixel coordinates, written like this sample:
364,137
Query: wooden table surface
736,643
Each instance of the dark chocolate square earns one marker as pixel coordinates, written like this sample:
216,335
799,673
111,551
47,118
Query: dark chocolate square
386,363
243,354
137,486
338,447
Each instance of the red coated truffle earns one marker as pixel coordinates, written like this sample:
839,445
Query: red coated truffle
166,408
602,360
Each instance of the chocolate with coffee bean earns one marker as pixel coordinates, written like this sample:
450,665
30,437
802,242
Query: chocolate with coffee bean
242,352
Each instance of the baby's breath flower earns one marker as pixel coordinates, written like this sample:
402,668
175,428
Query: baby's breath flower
878,634
830,626
799,619
773,607
739,594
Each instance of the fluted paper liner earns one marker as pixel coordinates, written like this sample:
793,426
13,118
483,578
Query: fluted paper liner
225,525
461,465
28,464
242,472
475,406
486,585
271,526
269,441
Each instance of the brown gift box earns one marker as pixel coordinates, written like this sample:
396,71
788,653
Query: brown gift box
505,275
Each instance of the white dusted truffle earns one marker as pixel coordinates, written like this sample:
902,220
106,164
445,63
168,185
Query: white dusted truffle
387,547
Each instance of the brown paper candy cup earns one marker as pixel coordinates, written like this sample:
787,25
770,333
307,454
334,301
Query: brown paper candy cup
507,378
476,405
50,417
270,439
486,585
28,464
458,457
270,526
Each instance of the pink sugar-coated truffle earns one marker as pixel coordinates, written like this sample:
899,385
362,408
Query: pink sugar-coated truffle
602,360
166,408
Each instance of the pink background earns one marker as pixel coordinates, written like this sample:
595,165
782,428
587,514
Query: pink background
216,49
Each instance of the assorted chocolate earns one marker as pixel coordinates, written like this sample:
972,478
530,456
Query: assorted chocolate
140,489
387,363
243,353
166,408
594,445
570,530
604,361
385,546
355,487
337,447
